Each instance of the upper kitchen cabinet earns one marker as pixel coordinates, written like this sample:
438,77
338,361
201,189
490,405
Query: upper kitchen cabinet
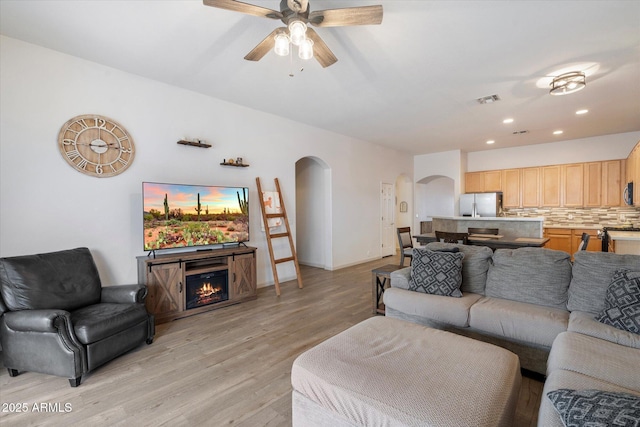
633,173
483,182
530,187
551,181
613,180
573,185
474,182
593,184
511,188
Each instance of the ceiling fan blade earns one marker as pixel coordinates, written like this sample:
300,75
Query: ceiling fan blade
264,46
320,49
249,9
365,15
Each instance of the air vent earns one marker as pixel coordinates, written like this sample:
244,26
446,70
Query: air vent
488,99
520,132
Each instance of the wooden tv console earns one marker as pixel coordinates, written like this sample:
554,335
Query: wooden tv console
165,278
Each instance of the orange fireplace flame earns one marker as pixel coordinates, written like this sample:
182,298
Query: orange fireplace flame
206,290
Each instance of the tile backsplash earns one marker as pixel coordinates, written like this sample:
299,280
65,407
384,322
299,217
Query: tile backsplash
615,216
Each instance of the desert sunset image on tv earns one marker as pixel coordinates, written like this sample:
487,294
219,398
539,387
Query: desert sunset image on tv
177,216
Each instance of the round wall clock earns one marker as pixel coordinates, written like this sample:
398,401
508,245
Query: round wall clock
96,145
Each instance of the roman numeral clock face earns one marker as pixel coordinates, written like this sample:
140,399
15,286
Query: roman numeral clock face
96,145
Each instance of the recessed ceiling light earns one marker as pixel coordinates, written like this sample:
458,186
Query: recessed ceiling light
582,112
505,121
491,141
558,132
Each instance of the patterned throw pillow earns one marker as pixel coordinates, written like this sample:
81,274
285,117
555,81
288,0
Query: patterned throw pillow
622,303
596,408
437,273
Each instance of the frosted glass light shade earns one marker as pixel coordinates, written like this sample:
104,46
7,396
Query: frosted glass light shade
305,50
282,45
297,29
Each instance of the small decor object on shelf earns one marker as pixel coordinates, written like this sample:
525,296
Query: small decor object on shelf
238,162
96,145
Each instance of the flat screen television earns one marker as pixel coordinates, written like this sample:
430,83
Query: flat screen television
179,216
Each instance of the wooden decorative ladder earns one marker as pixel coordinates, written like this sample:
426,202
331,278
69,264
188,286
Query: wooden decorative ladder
265,218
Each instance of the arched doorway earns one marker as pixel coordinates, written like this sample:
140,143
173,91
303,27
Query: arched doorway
313,213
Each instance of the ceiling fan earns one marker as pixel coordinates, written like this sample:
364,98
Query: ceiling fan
296,16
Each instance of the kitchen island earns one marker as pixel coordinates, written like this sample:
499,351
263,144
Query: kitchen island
625,242
513,232
509,227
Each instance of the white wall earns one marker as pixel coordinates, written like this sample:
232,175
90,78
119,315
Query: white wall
426,168
404,193
46,205
597,148
311,221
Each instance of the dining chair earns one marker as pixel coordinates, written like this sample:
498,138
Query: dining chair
448,237
406,244
584,242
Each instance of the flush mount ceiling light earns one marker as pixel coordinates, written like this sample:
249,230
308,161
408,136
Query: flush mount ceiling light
567,83
488,99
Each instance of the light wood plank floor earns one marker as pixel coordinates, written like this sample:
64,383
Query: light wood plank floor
227,366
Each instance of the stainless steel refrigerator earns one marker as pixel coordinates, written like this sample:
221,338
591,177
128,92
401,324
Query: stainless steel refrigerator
481,204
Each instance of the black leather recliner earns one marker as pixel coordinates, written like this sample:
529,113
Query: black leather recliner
56,318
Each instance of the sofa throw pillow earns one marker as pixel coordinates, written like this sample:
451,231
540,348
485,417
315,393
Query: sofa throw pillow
596,407
533,275
437,273
474,265
591,276
622,302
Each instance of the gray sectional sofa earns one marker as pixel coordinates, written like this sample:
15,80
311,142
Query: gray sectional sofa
542,306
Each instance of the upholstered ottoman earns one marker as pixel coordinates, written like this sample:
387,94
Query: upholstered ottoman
388,372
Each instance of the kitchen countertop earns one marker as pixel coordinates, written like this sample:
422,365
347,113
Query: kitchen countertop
488,218
624,235
572,226
587,226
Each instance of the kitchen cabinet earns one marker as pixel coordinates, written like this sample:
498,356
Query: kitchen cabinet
568,239
613,175
511,188
530,193
633,173
593,184
550,179
474,182
483,182
559,239
492,181
573,185
595,244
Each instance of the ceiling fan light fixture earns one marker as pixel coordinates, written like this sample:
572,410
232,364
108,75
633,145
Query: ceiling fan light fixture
305,50
281,47
298,30
567,83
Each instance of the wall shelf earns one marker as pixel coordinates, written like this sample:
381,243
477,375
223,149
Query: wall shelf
237,165
194,144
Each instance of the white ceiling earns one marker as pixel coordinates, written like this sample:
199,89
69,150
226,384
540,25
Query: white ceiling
409,83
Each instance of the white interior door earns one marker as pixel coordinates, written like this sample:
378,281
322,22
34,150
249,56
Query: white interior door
387,209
